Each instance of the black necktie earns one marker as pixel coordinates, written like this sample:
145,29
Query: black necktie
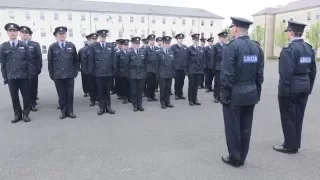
102,45
13,44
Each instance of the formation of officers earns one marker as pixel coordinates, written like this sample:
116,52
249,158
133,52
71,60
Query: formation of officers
132,72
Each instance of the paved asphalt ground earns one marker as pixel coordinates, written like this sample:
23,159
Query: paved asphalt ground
184,143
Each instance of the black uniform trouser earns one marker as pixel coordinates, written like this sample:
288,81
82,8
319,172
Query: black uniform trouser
201,80
65,89
92,88
117,85
136,86
238,123
165,89
33,89
14,86
193,87
112,84
124,88
179,82
216,88
85,83
104,88
292,113
152,85
208,78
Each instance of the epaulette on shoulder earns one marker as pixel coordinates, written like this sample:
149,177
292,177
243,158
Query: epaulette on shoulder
309,45
287,45
230,42
256,42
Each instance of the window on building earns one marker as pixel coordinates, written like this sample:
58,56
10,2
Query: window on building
83,17
202,34
43,32
163,33
202,22
318,16
56,16
309,16
42,17
153,21
131,19
119,18
120,34
83,32
44,49
163,20
69,17
173,33
131,35
183,22
143,33
96,19
70,32
193,22
154,32
174,21
11,15
291,18
284,21
211,34
211,23
142,19
27,16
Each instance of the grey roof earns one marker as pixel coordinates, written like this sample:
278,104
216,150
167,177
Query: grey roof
300,4
269,10
95,6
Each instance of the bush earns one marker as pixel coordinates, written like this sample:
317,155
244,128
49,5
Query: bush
273,58
318,59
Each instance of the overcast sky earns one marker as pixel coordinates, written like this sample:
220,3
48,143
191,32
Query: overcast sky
225,8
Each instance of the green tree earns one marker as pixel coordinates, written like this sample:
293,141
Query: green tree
313,36
280,37
258,34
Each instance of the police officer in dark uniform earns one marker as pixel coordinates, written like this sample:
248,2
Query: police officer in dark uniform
116,75
194,69
241,80
63,66
202,46
216,66
180,57
159,41
84,67
102,54
208,64
152,68
166,72
144,42
15,68
113,83
137,68
122,59
91,75
36,60
297,73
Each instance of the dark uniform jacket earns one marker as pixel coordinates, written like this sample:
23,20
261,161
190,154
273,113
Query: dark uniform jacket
15,62
137,66
241,72
208,52
63,62
166,63
83,58
297,68
122,59
217,56
195,60
180,56
102,59
151,59
36,58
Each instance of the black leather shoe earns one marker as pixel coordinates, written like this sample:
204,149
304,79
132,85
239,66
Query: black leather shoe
62,116
26,118
154,99
135,109
124,101
113,92
72,116
33,108
216,100
140,108
191,103
37,98
230,162
85,95
207,90
177,97
284,150
16,119
197,103
171,93
157,90
163,106
92,103
170,105
149,99
110,111
58,107
129,100
182,97
100,112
